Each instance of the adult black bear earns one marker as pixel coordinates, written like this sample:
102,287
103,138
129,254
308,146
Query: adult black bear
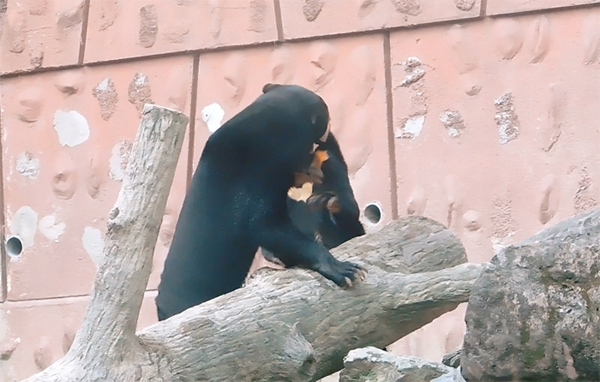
330,214
237,201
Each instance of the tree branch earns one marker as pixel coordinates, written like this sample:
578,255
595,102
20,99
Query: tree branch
293,325
107,335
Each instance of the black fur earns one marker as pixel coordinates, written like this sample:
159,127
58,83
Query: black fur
338,227
314,217
237,202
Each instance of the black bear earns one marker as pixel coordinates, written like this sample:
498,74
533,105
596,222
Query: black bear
331,213
237,201
339,220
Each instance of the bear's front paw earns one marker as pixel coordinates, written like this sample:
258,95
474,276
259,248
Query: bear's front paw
343,273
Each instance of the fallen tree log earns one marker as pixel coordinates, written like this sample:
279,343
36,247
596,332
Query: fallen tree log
293,325
285,325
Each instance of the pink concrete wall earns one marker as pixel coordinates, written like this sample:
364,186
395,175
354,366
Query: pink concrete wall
484,115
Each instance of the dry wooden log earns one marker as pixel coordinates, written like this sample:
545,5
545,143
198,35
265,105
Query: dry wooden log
286,325
293,325
105,347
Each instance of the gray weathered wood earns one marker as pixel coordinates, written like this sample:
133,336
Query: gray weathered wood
106,348
293,325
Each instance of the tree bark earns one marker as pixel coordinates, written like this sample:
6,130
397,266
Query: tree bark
105,347
293,325
285,325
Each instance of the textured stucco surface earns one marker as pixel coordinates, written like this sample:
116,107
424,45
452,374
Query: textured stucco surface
484,115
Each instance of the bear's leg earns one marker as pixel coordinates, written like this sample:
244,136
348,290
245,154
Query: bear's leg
293,248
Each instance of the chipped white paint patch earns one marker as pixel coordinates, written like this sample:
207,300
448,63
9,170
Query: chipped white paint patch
414,71
452,120
412,127
212,115
23,225
115,164
506,118
51,228
93,243
141,79
499,243
27,165
118,160
72,127
3,326
103,85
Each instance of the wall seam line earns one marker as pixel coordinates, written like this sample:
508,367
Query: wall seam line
84,28
387,59
483,9
192,124
278,20
3,254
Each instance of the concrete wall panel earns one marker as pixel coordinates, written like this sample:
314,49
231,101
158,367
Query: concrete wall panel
496,140
324,17
497,7
40,33
133,28
502,130
66,137
35,334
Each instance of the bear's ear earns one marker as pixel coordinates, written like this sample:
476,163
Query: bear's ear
315,120
269,87
325,135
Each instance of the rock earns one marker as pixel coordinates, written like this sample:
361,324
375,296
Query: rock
370,364
534,311
453,375
452,359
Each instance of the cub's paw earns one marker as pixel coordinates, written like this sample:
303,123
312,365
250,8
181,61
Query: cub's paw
311,175
326,200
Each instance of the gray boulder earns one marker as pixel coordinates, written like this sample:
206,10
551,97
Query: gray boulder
452,359
371,364
534,313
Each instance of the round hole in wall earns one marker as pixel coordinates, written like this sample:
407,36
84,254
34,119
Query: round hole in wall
373,213
14,246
